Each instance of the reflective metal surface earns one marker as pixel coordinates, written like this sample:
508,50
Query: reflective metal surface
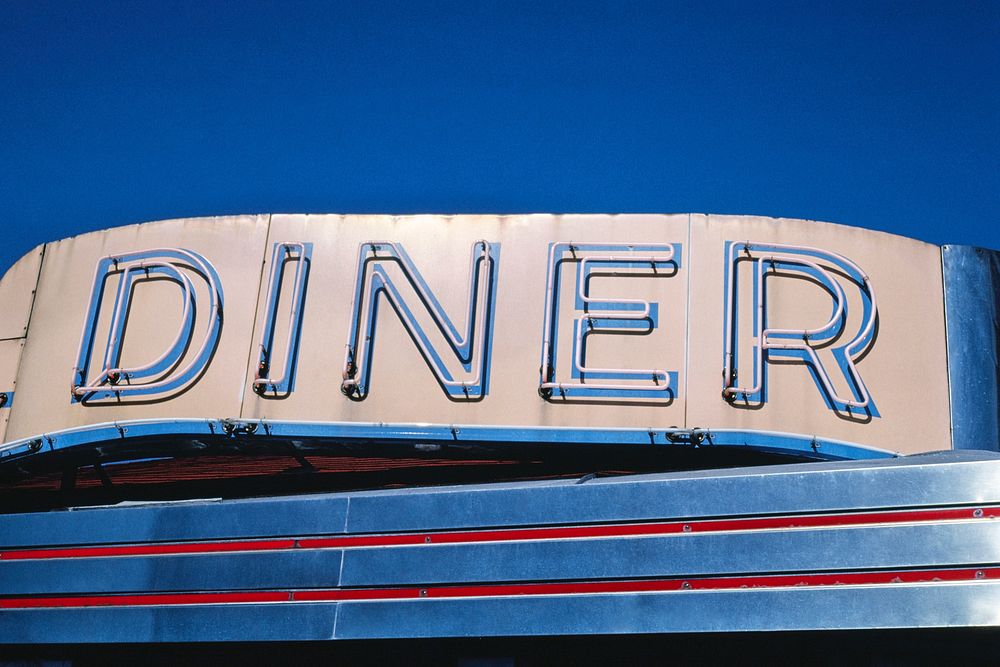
936,519
972,309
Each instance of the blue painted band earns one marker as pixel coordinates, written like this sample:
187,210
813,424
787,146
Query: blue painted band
763,441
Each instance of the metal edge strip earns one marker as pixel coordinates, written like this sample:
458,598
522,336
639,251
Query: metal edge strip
665,585
972,302
429,538
764,441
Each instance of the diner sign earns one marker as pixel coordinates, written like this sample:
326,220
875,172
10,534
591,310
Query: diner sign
694,323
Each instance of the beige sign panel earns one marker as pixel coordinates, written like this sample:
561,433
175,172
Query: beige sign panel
876,375
149,283
390,282
644,322
10,357
17,291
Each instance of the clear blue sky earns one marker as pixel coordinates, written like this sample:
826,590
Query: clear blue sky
878,114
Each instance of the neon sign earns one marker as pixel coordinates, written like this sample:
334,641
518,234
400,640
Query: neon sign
830,271
460,359
282,254
603,316
164,374
469,348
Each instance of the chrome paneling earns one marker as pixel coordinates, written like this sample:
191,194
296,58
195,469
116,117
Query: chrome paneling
951,478
263,622
972,307
232,571
794,550
834,608
840,608
173,521
965,479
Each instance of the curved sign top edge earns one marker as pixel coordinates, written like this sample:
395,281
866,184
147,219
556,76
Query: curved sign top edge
504,216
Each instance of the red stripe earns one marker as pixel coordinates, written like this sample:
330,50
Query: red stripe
519,534
502,590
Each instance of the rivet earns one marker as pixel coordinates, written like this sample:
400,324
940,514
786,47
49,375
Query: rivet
977,513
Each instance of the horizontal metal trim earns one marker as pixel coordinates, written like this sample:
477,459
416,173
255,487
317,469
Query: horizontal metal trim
506,590
176,521
902,546
178,623
790,522
260,571
938,605
883,547
942,604
940,480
